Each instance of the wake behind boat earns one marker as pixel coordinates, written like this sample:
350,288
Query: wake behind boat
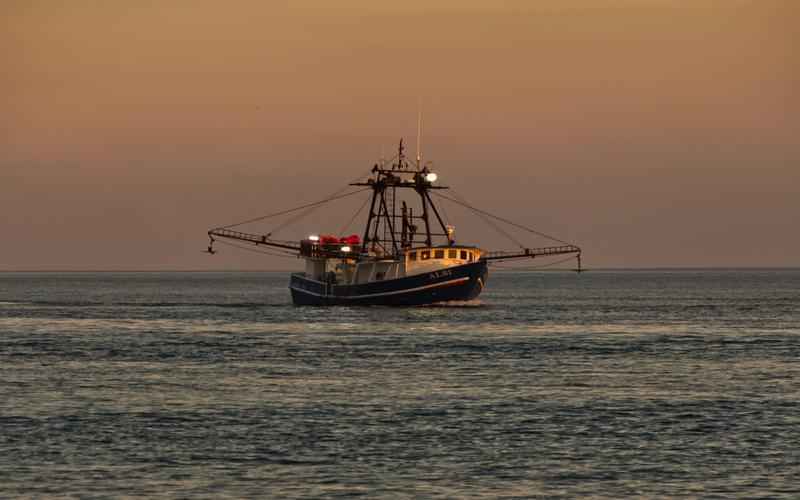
402,258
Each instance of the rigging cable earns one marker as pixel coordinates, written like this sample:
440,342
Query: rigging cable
501,219
308,212
490,223
284,212
310,206
346,226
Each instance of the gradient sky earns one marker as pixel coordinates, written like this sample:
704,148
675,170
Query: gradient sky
650,132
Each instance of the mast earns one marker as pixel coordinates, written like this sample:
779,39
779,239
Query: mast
371,214
389,224
404,230
428,240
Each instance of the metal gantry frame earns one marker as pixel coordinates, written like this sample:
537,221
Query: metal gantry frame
381,231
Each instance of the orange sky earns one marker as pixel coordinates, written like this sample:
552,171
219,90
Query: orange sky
650,132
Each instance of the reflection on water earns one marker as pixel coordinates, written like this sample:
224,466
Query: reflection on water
608,384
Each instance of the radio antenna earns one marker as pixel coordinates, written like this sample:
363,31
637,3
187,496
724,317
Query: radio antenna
419,133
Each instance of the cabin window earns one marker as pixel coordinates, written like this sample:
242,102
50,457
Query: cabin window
463,255
412,256
452,254
425,255
470,256
438,254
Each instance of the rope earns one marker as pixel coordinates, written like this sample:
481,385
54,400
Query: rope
501,219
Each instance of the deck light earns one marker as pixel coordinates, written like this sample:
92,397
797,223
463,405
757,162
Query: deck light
345,249
431,177
313,237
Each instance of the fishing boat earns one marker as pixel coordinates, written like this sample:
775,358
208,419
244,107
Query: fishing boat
404,257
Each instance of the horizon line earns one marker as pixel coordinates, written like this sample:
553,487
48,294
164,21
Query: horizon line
650,268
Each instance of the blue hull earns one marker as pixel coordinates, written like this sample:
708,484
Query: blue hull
458,283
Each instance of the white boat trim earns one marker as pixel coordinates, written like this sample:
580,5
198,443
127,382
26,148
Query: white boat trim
383,294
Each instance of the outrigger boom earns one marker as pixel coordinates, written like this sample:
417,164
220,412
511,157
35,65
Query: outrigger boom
255,239
259,239
534,252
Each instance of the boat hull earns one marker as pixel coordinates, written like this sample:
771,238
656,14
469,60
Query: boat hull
458,283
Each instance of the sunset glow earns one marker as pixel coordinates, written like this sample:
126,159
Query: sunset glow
655,133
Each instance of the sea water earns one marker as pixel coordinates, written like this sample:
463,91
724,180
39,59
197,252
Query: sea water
607,384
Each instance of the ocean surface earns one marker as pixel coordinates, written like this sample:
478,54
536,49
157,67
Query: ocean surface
607,384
